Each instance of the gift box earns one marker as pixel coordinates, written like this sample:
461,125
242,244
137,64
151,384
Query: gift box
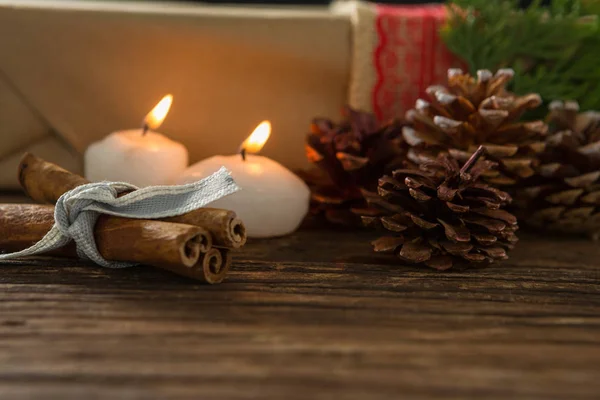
74,71
397,54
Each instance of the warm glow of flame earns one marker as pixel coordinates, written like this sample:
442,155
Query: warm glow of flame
257,138
155,118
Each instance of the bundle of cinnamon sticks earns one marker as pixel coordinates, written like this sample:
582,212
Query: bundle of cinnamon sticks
196,245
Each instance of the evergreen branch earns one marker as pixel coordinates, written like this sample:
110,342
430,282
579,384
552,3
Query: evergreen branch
552,49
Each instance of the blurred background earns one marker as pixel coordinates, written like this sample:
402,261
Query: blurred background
287,2
72,71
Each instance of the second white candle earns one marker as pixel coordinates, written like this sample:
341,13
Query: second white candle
273,200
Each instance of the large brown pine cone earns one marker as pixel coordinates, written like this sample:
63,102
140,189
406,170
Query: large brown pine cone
350,156
441,215
477,111
564,196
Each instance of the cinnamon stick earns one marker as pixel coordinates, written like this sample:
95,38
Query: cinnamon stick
227,229
214,265
175,247
23,225
226,261
160,244
45,182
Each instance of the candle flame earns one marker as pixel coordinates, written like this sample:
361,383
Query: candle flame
257,138
155,118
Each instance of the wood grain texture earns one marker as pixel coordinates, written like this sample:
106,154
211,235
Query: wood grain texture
310,316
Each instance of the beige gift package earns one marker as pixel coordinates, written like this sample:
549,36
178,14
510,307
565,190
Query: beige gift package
71,72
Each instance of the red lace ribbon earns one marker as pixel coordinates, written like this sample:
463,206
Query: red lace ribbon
409,56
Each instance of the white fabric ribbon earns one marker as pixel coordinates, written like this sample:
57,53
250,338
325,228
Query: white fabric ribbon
77,211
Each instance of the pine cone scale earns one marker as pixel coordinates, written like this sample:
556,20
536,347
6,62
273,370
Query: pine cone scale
387,243
592,198
498,214
441,263
485,239
492,225
583,181
454,248
415,252
566,197
350,162
393,225
422,223
495,252
458,208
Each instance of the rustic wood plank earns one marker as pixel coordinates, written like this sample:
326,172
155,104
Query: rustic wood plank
309,316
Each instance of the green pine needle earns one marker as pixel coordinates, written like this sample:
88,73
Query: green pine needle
554,50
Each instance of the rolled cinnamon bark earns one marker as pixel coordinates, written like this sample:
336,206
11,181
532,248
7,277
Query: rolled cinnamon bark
212,267
160,244
45,182
23,225
171,246
226,228
216,265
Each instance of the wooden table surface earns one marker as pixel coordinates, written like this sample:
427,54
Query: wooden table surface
310,316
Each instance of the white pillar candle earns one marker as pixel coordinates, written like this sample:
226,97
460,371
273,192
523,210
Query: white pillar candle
138,156
273,201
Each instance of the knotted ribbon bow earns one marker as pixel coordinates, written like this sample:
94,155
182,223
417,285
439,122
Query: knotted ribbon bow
78,210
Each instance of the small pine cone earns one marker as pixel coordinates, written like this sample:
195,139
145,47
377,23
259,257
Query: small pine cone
470,112
564,196
441,215
350,156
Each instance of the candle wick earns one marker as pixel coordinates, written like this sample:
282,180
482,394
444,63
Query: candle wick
145,128
243,153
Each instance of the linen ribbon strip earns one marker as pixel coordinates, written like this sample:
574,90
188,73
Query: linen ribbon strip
78,210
